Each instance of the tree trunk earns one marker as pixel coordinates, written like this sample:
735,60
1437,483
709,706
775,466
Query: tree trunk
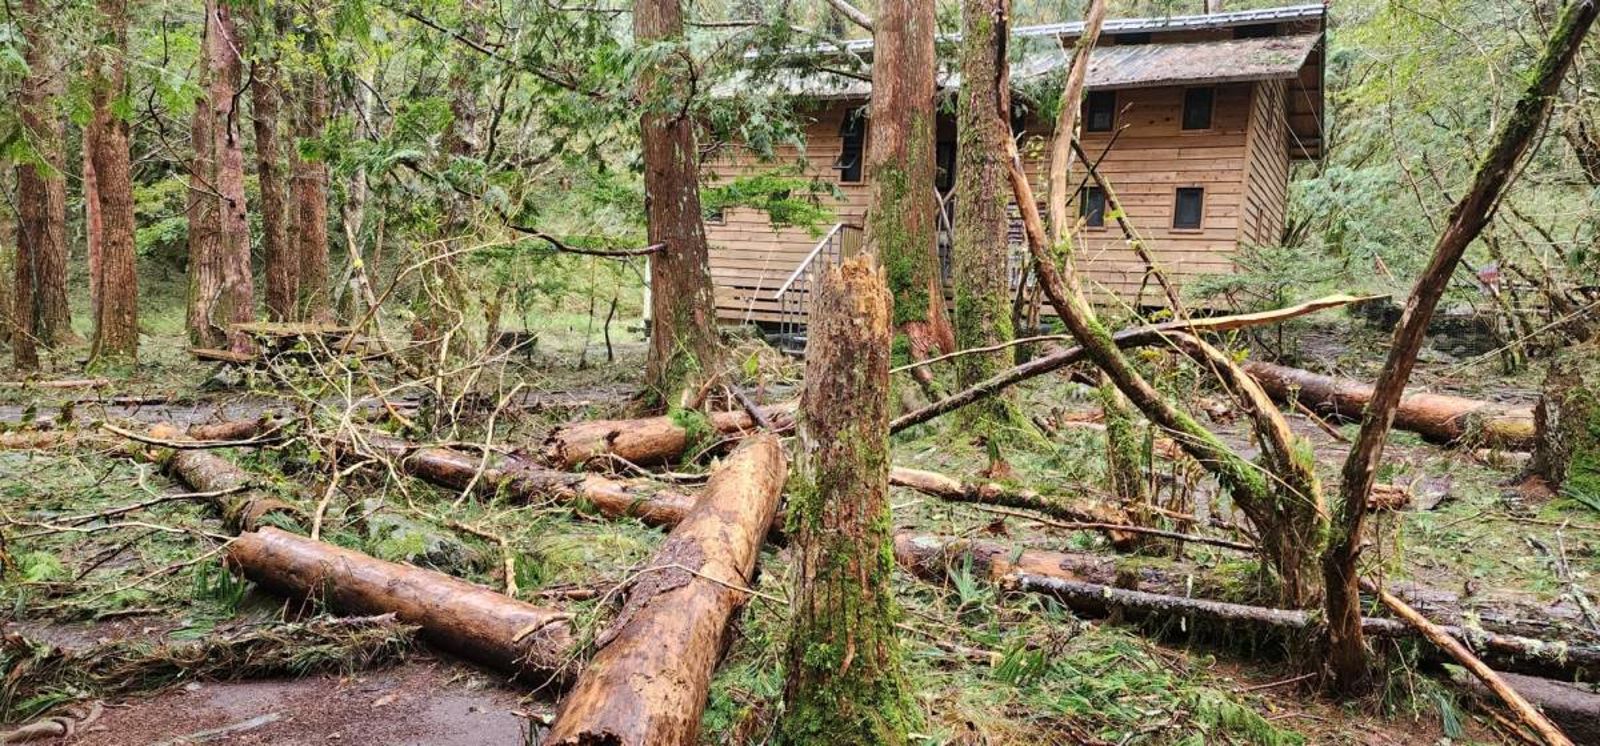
42,185
8,255
93,227
981,251
1437,417
205,229
845,682
648,680
266,101
1347,654
685,349
311,198
116,337
651,440
902,213
242,505
535,644
223,47
1567,451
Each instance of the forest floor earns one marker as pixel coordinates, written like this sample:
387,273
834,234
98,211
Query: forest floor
987,665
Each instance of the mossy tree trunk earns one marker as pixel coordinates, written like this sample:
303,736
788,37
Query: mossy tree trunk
1346,661
844,683
205,259
282,271
1567,454
40,295
684,347
1127,460
223,50
116,334
314,302
902,213
981,249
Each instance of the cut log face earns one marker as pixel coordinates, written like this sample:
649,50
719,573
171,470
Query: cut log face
647,683
533,643
648,441
1437,417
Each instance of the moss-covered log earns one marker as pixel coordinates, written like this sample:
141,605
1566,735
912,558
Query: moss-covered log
242,504
845,684
994,493
647,682
533,643
1437,417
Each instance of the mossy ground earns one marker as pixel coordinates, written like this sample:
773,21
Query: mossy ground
986,666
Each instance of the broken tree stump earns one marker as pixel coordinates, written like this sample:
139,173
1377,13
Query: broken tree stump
651,440
532,643
648,680
1437,417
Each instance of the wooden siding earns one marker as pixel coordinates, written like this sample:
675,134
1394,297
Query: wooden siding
1267,183
1152,158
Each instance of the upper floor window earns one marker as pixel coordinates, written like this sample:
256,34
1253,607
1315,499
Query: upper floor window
1188,213
1133,37
853,144
1255,31
1092,207
1100,111
1197,106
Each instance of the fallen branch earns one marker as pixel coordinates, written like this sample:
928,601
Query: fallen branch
1110,520
1437,417
648,680
1526,714
527,641
74,383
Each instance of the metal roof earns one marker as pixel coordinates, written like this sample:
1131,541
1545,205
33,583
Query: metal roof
1227,19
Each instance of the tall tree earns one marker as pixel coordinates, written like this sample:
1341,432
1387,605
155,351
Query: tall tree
684,347
845,684
1347,653
41,313
116,332
93,229
266,103
205,229
902,216
236,302
981,251
311,200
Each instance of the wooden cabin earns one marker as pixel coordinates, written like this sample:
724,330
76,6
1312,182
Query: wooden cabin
1194,120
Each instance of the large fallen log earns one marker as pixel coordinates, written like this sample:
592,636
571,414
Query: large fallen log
648,680
1084,588
652,440
1437,417
233,491
993,493
532,643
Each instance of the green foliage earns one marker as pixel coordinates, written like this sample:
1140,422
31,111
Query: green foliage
787,198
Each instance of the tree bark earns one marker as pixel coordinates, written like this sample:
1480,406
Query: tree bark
685,349
242,505
647,682
1346,661
223,49
93,227
845,682
1567,451
116,339
652,440
1437,417
981,251
266,101
534,644
902,211
311,198
993,493
1061,151
205,232
42,184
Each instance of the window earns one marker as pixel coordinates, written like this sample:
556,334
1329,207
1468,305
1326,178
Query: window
1019,119
1102,111
1189,212
1255,31
853,133
1197,105
1092,207
716,216
944,161
1132,38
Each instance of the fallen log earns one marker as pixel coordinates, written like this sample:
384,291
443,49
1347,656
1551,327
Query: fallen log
243,506
1525,712
994,493
532,643
73,383
1062,577
648,680
651,440
1437,417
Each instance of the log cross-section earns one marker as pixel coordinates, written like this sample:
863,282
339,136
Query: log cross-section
648,680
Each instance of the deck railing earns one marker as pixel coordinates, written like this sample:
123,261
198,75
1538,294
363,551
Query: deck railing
794,295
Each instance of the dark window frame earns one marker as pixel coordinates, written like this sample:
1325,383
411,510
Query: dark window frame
1199,193
1100,103
1210,95
852,147
1131,37
1092,207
